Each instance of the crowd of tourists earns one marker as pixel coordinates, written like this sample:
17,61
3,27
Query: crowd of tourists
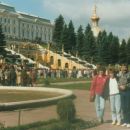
18,75
12,75
115,86
67,73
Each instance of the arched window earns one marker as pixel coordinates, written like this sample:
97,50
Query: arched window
22,33
59,63
66,65
51,60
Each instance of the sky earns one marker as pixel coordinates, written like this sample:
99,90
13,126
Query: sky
114,14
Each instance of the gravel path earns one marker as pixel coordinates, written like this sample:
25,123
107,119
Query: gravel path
85,110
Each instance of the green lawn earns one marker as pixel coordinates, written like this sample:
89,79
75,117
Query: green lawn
80,86
57,80
16,95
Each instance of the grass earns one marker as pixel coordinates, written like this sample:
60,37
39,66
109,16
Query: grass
16,95
78,124
80,86
57,80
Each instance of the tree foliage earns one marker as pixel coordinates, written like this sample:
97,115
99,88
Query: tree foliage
103,49
58,29
122,52
128,51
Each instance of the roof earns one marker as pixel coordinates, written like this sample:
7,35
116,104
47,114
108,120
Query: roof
7,7
22,15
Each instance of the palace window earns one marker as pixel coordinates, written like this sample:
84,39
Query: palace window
14,30
8,29
9,21
45,37
66,65
32,35
22,33
14,21
59,63
5,20
51,60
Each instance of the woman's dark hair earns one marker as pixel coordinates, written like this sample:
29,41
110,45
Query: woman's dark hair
112,71
102,69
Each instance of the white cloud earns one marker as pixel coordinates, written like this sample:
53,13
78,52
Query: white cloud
114,14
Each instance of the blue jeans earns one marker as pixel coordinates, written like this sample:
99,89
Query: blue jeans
115,101
100,106
125,106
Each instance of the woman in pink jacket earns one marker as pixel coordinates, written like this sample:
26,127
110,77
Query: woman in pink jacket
97,91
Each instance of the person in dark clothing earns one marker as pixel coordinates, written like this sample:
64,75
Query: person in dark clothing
12,76
124,86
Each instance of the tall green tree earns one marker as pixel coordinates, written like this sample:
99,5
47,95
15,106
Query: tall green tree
58,29
79,40
89,46
128,51
2,42
122,52
64,37
103,48
115,50
71,38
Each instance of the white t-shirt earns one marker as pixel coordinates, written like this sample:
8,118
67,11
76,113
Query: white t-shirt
113,86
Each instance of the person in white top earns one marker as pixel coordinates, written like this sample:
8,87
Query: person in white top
115,99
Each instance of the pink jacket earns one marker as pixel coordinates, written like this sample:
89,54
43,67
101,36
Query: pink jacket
97,85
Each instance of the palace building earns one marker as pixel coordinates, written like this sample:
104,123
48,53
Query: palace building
21,26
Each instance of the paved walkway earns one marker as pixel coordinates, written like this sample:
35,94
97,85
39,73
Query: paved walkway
85,110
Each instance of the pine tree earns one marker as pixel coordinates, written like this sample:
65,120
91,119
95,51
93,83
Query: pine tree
79,40
57,35
128,51
115,50
64,38
89,46
71,38
110,41
122,52
103,48
2,42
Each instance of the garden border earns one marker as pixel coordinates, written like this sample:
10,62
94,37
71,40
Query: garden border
34,103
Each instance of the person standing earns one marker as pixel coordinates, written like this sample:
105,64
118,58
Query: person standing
97,89
115,98
124,86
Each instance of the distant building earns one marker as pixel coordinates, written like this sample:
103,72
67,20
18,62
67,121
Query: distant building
95,19
21,26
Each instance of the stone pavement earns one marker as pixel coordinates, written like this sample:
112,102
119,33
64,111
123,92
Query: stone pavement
85,110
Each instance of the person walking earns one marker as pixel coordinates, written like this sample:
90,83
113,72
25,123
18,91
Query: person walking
97,90
115,98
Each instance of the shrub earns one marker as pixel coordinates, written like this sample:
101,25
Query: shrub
58,126
66,110
2,126
46,82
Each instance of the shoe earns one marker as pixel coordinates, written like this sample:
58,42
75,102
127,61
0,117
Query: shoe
128,126
113,123
124,124
118,123
101,121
